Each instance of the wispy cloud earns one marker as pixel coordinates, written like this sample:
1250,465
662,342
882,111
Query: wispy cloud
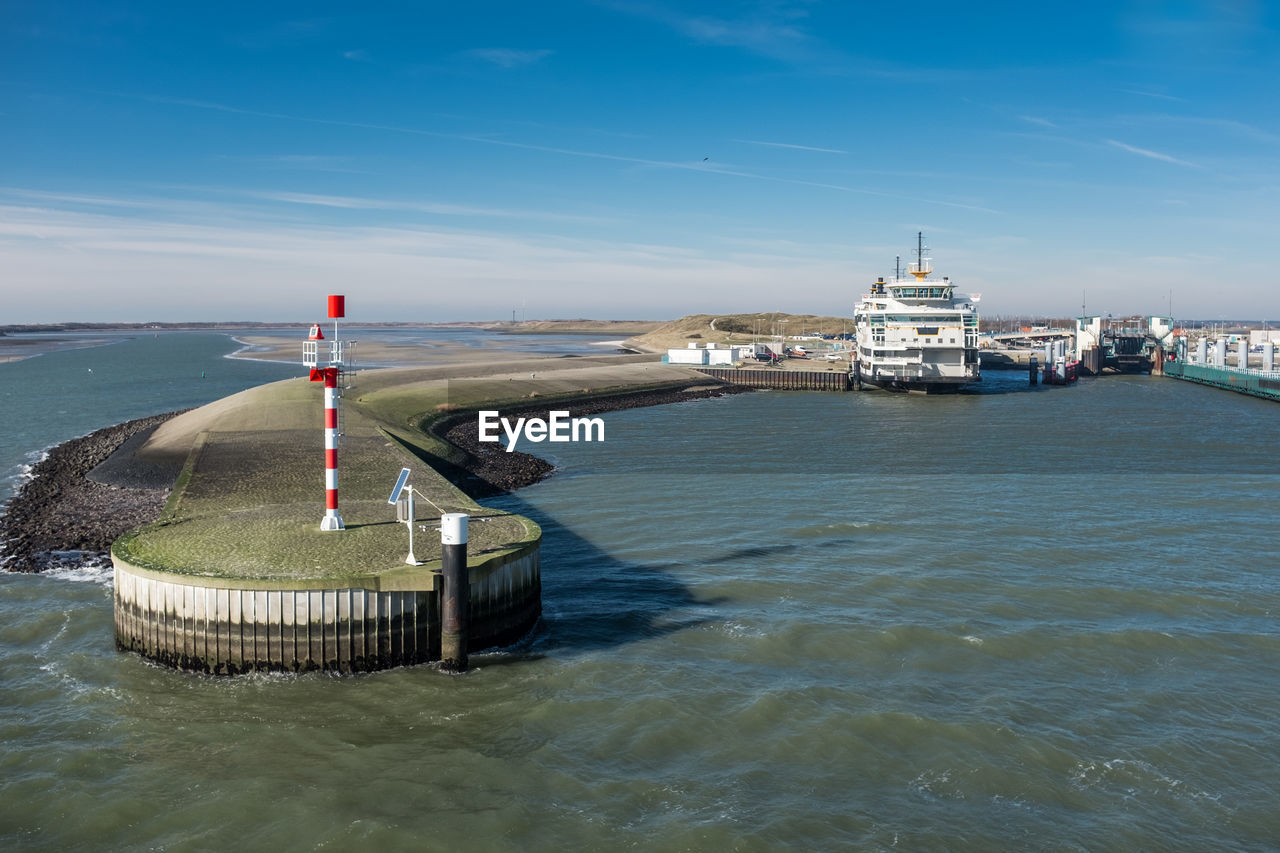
435,208
68,198
1144,152
568,152
754,34
1043,122
1218,125
110,266
298,162
207,204
704,167
770,30
506,57
1152,95
791,145
356,55
284,33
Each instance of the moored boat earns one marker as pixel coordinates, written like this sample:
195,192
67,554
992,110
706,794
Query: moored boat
916,334
1061,372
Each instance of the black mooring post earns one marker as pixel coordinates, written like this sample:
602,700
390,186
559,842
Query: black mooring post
455,592
1032,375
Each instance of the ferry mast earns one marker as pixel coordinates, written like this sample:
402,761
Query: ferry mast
919,269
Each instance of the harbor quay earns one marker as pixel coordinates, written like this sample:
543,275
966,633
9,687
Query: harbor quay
1092,346
237,575
1255,382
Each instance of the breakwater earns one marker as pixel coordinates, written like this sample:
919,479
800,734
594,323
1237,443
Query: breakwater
230,593
74,504
236,577
787,380
1255,383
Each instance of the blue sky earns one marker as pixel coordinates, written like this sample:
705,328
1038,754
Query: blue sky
442,161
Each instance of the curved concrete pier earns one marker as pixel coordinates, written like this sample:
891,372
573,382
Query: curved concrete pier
226,627
236,574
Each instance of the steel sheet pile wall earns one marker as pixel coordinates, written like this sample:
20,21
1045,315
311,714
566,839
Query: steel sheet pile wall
226,631
505,602
790,380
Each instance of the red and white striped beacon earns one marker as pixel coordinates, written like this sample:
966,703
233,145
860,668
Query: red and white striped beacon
330,376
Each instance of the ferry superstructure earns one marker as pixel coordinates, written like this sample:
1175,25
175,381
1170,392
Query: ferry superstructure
916,334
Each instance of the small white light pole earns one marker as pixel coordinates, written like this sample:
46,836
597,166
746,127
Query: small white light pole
405,510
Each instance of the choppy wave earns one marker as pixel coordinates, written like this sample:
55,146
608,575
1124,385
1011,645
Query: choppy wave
81,567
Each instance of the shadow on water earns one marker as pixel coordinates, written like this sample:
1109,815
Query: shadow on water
1005,382
592,600
754,552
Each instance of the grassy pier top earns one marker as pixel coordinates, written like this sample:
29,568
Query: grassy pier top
246,509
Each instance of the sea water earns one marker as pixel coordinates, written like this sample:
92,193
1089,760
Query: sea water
1024,618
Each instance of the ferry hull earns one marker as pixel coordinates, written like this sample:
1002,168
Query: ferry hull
919,386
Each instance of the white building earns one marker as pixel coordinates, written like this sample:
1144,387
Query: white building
1257,337
713,353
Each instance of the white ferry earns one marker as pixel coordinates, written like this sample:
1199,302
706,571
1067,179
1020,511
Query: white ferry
916,334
